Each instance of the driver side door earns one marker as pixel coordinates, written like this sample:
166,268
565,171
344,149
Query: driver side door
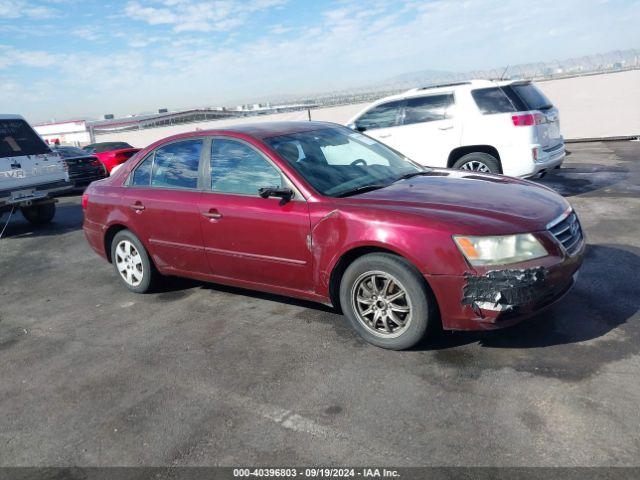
261,241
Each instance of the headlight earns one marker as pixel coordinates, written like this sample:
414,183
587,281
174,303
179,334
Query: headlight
500,250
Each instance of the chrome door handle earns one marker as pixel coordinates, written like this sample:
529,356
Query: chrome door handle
446,128
384,136
212,214
138,207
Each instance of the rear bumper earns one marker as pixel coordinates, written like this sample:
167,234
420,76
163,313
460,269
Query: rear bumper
518,161
94,234
39,192
504,297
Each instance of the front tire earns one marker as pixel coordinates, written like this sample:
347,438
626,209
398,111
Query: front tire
387,301
478,162
132,263
39,214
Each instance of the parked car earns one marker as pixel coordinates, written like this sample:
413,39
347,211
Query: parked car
31,175
111,153
316,211
507,127
83,168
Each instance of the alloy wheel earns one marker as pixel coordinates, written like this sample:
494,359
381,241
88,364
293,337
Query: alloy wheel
475,166
129,263
381,304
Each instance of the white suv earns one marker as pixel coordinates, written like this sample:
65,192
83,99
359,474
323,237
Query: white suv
507,127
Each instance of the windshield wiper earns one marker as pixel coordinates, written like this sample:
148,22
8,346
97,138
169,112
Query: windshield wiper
362,189
411,175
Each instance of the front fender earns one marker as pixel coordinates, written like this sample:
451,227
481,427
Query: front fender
337,232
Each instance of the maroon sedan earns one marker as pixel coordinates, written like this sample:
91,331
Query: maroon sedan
317,211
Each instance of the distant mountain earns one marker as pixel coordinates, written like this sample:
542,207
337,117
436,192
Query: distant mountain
416,78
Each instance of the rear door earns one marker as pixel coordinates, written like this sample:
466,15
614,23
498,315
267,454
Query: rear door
429,131
162,198
247,237
25,160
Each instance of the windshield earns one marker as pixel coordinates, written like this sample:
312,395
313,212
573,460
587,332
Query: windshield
18,138
339,162
71,152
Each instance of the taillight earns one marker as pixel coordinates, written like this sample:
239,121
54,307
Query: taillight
85,201
527,119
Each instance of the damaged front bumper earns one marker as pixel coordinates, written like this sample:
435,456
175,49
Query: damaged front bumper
496,298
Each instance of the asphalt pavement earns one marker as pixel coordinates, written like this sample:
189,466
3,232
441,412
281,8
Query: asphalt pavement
199,374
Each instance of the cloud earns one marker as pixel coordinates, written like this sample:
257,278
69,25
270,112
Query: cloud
197,16
180,53
12,9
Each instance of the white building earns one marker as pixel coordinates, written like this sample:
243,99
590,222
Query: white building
71,132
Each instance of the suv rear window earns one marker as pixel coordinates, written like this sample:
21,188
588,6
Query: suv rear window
492,100
18,138
526,96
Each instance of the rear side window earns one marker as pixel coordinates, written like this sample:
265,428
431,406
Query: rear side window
142,173
238,168
427,109
492,100
383,116
176,165
18,138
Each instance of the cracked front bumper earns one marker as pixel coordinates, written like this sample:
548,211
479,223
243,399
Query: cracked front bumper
497,298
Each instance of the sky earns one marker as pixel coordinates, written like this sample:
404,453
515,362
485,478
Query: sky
62,59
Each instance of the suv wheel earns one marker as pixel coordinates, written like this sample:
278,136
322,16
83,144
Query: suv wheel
478,162
131,261
39,214
387,301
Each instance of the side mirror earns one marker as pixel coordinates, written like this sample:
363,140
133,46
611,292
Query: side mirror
352,126
284,193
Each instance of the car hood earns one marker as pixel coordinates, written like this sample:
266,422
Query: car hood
469,202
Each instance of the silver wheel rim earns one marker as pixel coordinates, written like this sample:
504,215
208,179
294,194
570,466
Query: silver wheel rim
129,263
381,304
475,166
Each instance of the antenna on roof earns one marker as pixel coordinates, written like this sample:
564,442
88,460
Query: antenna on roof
505,72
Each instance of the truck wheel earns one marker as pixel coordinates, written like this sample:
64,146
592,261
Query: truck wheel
478,162
387,301
39,214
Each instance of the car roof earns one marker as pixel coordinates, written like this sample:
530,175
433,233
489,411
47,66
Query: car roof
274,129
258,130
10,116
448,87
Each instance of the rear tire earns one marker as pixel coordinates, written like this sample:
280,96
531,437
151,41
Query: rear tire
387,301
478,162
132,263
39,214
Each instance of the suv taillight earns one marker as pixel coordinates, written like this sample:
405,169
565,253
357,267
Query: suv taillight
85,201
527,119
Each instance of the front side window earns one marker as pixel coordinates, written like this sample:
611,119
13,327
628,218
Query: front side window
337,162
239,169
427,109
383,116
176,165
492,100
